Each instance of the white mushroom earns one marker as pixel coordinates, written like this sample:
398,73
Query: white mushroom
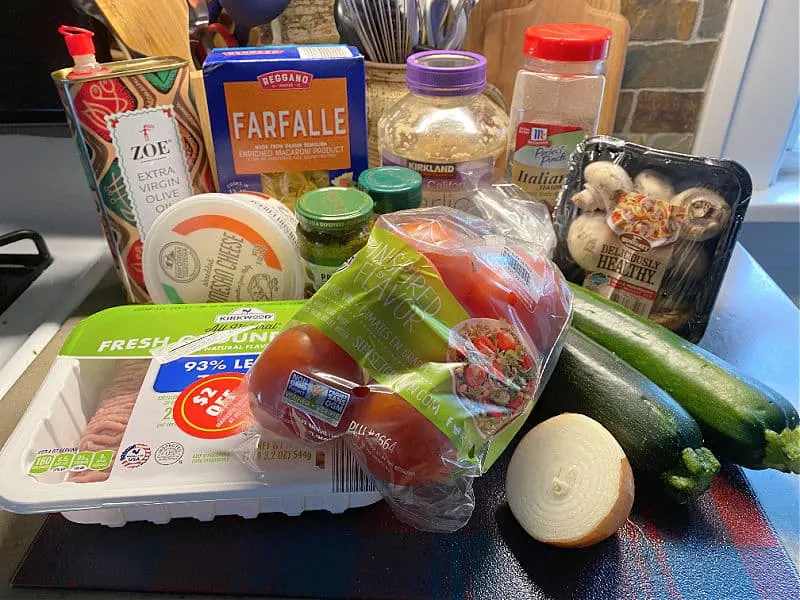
688,265
601,180
586,237
589,233
653,184
706,213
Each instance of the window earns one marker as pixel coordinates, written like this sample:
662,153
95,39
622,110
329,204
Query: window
790,166
750,111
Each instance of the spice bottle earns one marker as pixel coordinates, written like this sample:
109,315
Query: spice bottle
333,224
392,188
556,103
445,128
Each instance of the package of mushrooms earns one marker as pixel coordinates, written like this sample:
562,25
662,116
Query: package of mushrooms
650,229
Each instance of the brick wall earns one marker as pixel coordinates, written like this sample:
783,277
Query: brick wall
309,22
671,52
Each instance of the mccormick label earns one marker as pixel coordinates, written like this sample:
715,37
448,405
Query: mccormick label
541,156
446,184
151,158
630,266
287,120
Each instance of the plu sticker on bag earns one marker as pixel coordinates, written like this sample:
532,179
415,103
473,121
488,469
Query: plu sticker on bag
289,119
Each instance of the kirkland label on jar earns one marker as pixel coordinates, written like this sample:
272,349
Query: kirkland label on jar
632,261
541,156
447,184
150,153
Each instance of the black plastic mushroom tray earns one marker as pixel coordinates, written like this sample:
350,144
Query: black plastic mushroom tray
652,230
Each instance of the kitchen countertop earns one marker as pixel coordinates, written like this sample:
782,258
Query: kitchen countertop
754,326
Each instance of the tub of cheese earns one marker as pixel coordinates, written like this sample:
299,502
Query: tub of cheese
124,427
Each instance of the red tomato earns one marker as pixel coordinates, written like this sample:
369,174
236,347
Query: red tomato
497,369
527,362
398,443
306,350
506,341
484,345
474,375
433,239
552,310
455,271
490,296
429,232
539,305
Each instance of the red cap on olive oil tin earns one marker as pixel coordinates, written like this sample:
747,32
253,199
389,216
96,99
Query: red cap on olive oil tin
79,41
572,42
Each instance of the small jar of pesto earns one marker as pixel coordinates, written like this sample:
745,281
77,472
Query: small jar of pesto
333,224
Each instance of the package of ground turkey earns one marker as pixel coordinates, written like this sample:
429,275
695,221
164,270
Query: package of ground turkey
107,426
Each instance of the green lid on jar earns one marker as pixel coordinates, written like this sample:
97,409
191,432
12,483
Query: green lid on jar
392,188
333,209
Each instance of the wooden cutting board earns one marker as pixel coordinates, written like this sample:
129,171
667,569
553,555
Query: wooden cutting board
486,8
497,29
150,29
198,92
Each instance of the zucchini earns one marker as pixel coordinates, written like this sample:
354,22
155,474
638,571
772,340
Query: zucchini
742,420
661,440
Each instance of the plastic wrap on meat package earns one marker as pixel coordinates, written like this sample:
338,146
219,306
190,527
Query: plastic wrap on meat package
652,230
426,353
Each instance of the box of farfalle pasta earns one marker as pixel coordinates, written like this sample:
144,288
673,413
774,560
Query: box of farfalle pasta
287,119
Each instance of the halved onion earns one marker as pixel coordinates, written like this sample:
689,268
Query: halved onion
569,482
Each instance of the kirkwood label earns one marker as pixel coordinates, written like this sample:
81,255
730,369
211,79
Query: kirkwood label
152,161
541,157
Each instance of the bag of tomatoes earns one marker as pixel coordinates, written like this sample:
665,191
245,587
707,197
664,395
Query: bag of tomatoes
425,353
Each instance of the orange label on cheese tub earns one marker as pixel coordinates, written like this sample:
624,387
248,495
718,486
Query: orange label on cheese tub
274,128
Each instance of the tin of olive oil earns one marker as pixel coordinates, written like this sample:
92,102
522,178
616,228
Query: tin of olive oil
141,145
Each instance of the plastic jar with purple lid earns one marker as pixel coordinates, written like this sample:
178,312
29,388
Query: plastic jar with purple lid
446,128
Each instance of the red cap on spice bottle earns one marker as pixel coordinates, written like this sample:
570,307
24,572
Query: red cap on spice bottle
574,42
79,41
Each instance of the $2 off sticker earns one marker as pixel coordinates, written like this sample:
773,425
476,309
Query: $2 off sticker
199,406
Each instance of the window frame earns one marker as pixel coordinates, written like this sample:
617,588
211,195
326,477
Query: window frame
752,93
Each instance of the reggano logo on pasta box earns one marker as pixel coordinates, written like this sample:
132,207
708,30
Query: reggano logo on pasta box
287,120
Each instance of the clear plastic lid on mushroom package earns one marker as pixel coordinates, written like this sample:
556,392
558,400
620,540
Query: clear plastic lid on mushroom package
650,229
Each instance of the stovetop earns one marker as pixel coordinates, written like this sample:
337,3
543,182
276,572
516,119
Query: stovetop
44,190
19,271
26,326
